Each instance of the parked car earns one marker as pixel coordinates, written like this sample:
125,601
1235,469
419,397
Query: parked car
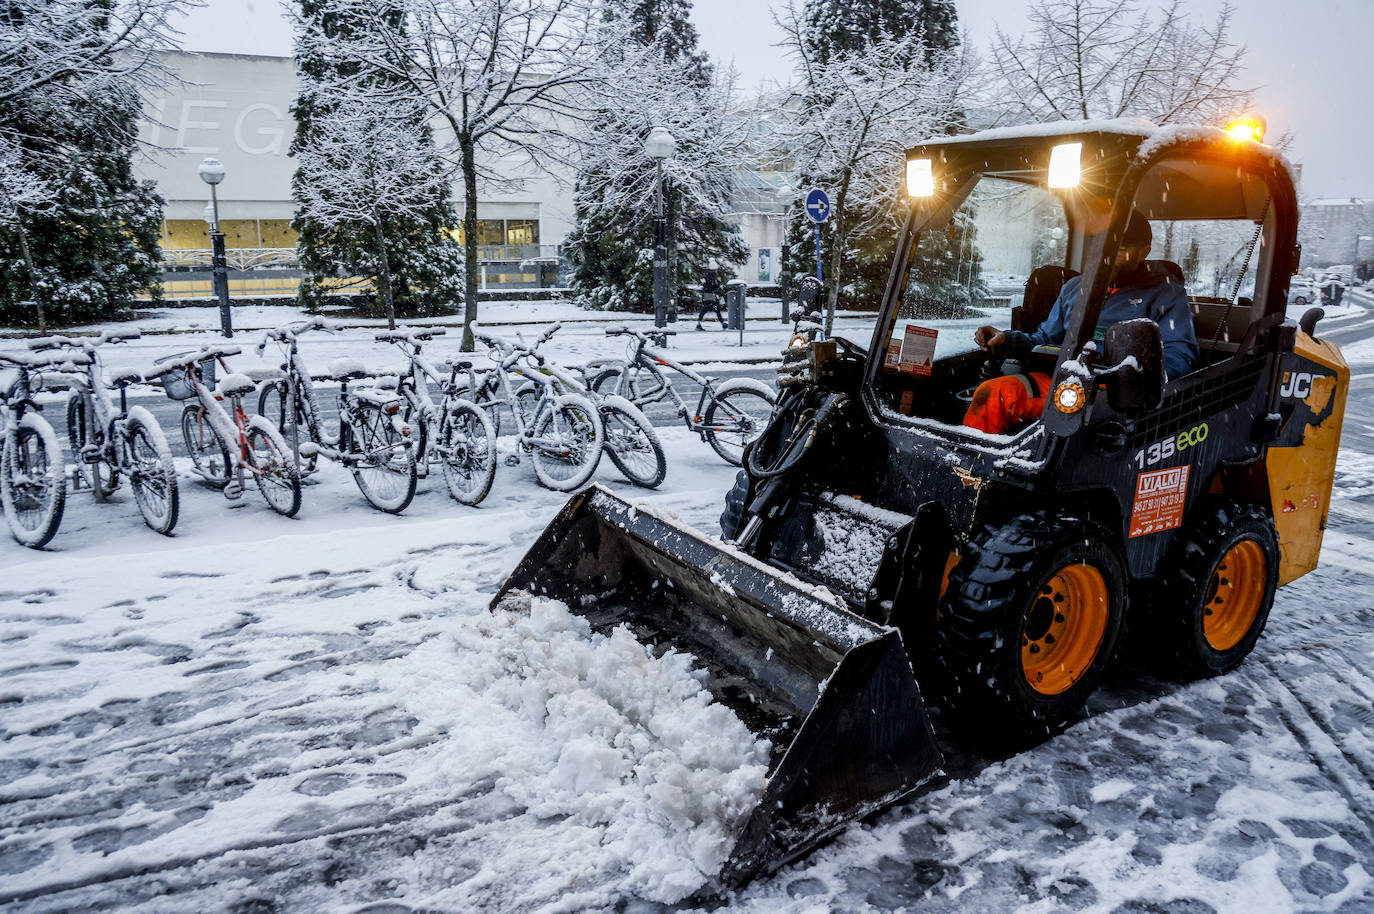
1301,292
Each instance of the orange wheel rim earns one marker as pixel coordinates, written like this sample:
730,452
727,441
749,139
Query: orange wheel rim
1063,629
1234,595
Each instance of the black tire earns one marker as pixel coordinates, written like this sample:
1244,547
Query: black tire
387,477
206,449
632,444
33,487
1014,662
278,480
152,475
1216,598
736,417
100,476
272,407
603,381
734,506
469,452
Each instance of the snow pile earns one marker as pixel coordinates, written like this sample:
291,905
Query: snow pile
649,778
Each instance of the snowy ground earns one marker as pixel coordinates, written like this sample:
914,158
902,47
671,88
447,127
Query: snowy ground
317,714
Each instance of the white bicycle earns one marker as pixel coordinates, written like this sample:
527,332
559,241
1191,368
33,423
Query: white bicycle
32,488
108,441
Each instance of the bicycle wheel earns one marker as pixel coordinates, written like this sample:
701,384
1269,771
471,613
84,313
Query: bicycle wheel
208,452
641,384
99,475
32,487
604,381
468,449
152,475
272,406
385,468
736,416
567,446
413,413
632,444
277,478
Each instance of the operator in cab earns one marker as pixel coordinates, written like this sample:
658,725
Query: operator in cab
1138,288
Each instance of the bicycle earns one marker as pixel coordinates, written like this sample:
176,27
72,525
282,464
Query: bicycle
728,416
464,441
108,441
207,429
32,486
562,432
631,442
373,441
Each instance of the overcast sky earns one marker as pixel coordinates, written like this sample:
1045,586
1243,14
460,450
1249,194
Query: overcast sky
1306,57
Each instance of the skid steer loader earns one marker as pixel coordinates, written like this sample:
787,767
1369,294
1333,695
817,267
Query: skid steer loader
875,550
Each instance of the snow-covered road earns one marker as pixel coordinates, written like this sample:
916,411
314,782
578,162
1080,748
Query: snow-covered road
267,715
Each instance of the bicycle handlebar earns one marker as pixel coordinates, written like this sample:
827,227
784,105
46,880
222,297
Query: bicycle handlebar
294,329
56,360
187,359
622,330
409,335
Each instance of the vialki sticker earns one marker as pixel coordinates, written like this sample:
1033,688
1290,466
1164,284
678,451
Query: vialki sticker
1159,498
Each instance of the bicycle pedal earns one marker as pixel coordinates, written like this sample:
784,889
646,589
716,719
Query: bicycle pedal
233,491
512,460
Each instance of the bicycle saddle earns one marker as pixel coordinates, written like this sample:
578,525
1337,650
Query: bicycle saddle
125,376
347,370
235,385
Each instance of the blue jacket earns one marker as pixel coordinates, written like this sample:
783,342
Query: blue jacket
1152,290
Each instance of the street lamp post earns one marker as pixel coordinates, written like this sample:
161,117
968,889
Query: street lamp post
211,171
660,146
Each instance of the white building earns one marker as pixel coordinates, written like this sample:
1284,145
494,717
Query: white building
237,108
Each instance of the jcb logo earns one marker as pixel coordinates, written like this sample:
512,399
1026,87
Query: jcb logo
1298,384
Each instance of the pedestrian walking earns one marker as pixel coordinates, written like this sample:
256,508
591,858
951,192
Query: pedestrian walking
710,292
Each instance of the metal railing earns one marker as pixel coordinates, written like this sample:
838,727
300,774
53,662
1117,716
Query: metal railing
235,258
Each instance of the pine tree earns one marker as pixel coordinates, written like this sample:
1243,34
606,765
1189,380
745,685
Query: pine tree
833,28
93,246
417,247
612,243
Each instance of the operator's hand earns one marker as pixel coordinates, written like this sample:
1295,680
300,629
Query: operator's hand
989,339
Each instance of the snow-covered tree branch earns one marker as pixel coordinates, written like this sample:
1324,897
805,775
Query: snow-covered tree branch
500,78
1092,59
853,114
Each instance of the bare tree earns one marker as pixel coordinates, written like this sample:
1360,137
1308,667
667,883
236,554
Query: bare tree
854,116
369,164
503,79
1094,59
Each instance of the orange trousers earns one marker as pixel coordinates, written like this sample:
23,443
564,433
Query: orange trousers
1001,405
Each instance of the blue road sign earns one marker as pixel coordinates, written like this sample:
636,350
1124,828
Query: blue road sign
818,206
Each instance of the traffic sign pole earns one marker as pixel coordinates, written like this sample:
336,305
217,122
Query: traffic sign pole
818,208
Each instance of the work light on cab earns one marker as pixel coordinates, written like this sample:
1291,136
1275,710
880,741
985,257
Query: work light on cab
920,180
1249,128
1065,168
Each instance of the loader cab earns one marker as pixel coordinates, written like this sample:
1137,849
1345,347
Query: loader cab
1050,207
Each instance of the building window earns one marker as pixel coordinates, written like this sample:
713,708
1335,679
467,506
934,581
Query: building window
522,231
491,231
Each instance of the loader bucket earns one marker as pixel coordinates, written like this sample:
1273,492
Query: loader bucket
832,692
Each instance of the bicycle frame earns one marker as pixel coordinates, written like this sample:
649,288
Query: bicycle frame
233,428
547,394
647,357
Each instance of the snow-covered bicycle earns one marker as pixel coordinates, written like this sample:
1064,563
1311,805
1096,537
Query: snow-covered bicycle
226,445
729,414
373,440
562,432
631,442
110,441
452,432
32,487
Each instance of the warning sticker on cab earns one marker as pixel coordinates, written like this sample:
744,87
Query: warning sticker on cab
918,350
1159,497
